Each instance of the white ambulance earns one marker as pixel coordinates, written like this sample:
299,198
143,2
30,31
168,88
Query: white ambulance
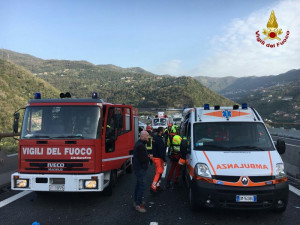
231,160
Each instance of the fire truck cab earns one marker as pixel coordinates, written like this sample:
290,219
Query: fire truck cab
231,160
74,145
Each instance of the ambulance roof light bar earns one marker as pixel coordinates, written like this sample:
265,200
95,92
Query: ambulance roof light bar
217,107
244,106
206,106
235,107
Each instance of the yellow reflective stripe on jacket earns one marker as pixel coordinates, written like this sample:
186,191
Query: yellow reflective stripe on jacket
149,144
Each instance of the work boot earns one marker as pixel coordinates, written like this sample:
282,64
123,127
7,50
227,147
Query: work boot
140,208
143,203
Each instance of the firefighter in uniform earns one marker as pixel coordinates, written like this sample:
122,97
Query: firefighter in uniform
159,159
174,148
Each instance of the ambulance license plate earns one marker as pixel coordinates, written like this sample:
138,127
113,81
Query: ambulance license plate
56,187
246,198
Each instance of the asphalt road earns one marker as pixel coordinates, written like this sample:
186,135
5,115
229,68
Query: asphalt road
168,207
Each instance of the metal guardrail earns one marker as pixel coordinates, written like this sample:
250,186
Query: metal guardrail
292,133
4,135
8,163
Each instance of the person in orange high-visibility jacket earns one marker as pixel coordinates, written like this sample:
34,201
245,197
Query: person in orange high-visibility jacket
174,147
159,158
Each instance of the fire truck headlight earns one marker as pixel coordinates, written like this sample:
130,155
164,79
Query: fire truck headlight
280,171
202,170
90,184
21,183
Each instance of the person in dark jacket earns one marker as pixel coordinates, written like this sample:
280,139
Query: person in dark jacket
140,165
159,158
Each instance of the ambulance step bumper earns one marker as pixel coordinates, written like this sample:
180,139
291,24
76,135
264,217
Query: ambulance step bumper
221,196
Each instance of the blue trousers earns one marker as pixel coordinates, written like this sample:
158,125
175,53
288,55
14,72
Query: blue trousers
140,185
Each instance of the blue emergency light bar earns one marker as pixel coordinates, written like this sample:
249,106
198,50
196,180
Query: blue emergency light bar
94,95
37,95
244,106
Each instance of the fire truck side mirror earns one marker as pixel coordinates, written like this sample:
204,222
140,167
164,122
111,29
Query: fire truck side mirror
16,122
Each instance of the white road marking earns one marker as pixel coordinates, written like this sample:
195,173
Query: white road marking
153,223
14,198
293,139
293,145
290,144
24,193
295,190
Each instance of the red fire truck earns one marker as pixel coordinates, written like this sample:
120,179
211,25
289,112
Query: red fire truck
74,145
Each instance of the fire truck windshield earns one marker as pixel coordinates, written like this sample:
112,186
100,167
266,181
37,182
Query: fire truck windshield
59,122
231,136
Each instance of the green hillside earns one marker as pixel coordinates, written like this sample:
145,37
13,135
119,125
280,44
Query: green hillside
277,98
236,88
279,105
118,85
17,86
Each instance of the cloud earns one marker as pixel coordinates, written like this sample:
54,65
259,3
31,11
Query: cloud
171,67
238,53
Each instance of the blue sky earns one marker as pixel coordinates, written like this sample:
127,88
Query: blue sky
183,37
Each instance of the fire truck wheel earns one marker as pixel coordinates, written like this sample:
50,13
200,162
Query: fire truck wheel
112,182
129,169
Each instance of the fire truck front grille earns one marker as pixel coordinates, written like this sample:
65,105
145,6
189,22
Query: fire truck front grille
56,160
56,165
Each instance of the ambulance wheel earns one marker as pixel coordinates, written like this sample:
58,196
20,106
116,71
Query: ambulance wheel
279,210
192,202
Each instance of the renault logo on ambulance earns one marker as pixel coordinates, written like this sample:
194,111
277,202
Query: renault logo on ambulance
244,181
